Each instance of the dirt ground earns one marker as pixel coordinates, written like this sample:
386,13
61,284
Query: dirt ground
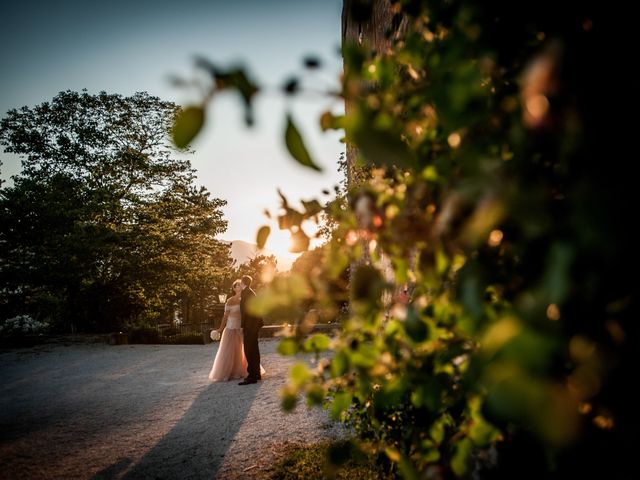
96,411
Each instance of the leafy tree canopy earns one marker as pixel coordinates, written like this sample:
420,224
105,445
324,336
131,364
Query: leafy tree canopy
104,225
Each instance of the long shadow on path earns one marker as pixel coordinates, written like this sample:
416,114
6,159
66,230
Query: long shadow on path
195,447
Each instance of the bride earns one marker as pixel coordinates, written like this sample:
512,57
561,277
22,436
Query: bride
230,362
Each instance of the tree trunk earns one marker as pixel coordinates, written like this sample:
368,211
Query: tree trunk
374,25
373,28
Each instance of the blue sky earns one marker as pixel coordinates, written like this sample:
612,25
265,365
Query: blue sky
128,46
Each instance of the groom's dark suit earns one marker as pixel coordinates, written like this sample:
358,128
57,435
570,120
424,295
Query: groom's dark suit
250,328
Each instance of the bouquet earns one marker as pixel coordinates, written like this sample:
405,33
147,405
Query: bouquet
215,335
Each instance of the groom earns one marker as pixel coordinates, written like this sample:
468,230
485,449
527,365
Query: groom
250,327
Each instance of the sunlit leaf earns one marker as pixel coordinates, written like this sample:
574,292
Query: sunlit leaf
288,346
500,333
317,343
481,433
365,356
461,457
338,261
393,454
489,212
296,146
300,374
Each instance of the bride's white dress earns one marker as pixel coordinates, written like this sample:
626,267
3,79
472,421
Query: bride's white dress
230,362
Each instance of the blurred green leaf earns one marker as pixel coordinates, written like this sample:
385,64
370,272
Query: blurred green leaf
296,146
337,263
328,121
300,374
430,173
390,394
236,78
339,403
317,343
461,457
482,433
367,284
557,279
381,146
288,399
339,364
187,124
287,347
428,394
315,394
263,235
365,356
417,330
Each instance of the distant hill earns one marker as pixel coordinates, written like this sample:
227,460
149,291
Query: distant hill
242,251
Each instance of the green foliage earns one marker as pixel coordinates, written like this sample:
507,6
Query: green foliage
104,228
21,325
258,267
483,181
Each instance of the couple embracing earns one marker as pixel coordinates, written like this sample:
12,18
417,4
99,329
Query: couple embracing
238,354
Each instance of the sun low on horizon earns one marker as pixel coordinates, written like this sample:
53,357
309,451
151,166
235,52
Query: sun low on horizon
279,243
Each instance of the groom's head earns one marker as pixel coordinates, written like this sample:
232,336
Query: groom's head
246,280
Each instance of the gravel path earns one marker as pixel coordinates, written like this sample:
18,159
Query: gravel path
144,411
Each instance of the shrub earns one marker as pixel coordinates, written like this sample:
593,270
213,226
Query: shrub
21,325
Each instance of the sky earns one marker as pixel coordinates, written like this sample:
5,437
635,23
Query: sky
125,46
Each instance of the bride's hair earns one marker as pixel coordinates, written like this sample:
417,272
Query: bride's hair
233,286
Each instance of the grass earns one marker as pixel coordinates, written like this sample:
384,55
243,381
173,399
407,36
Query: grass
335,460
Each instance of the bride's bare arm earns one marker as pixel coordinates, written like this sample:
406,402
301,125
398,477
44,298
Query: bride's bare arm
224,321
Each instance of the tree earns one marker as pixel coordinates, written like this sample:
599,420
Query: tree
103,226
259,268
